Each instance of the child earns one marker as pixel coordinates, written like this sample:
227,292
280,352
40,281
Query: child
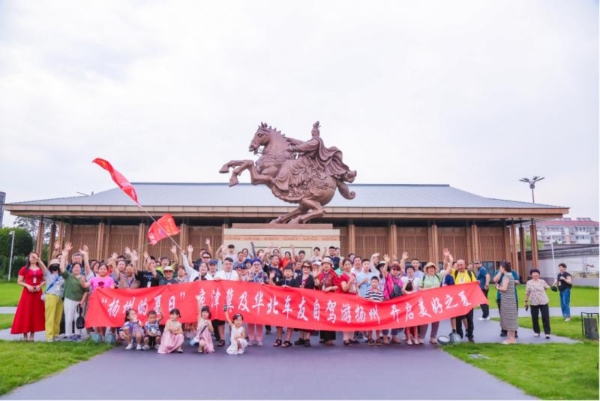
203,333
238,335
288,280
172,338
376,295
132,329
152,331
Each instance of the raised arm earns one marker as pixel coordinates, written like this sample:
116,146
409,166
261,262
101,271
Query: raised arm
86,260
174,253
208,247
65,255
192,274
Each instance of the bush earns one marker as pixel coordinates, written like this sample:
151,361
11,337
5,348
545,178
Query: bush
23,241
18,262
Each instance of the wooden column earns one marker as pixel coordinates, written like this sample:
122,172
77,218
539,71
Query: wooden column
506,243
107,238
52,240
514,256
184,236
434,250
393,239
351,237
141,242
534,245
469,237
100,241
522,249
68,232
39,246
475,241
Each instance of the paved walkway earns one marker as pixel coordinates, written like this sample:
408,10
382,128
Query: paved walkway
339,372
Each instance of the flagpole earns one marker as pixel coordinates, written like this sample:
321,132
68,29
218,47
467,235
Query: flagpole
159,226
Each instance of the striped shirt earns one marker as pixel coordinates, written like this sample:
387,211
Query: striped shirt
374,295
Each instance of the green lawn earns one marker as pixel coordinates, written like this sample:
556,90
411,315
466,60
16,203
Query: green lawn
580,296
558,326
6,321
10,294
549,371
27,362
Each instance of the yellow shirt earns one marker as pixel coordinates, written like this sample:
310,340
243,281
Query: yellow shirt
463,277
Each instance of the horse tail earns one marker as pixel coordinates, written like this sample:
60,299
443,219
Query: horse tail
344,190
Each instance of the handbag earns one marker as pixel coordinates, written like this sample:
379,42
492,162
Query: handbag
554,288
80,321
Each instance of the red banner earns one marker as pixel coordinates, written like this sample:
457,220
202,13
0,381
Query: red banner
287,307
162,228
118,178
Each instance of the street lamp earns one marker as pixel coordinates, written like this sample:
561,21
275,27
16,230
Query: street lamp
12,246
531,183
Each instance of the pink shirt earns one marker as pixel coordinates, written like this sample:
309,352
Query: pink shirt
101,282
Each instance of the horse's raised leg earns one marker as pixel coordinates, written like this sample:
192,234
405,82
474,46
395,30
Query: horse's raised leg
227,166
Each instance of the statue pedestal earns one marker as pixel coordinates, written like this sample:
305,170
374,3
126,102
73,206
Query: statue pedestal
303,236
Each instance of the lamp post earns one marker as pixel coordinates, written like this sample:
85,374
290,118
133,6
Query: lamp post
12,246
531,183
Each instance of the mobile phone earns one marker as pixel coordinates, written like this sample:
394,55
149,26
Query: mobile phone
526,307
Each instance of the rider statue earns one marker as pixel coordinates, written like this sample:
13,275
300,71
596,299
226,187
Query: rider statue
313,158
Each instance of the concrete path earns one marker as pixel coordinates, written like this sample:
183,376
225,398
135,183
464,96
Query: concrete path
362,372
358,372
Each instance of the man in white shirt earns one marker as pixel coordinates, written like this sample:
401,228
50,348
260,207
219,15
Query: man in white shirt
227,273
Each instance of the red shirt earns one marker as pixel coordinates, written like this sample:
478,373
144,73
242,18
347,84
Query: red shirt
329,280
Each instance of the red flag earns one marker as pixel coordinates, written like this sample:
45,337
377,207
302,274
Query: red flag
118,178
162,228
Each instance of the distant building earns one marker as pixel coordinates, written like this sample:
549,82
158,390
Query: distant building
581,230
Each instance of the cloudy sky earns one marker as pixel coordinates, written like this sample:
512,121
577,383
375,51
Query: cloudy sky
475,94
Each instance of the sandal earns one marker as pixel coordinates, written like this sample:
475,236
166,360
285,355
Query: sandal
409,342
346,343
370,342
277,343
307,343
433,341
200,351
378,343
286,344
220,343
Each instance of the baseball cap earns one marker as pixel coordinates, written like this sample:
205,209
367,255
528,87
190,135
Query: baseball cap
213,262
168,268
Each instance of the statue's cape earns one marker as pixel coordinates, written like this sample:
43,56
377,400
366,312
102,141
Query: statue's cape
331,158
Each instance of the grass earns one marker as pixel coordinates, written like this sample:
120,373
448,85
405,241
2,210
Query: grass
549,371
27,362
558,326
10,293
580,296
6,321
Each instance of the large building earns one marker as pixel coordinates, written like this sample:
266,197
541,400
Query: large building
419,219
566,231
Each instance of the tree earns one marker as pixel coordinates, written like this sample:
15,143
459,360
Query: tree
23,241
528,243
31,224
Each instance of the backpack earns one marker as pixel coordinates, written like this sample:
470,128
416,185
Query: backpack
80,321
471,275
396,290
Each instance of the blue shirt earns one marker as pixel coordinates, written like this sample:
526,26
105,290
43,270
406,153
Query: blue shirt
481,276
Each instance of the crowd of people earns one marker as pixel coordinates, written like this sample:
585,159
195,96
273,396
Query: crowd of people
60,291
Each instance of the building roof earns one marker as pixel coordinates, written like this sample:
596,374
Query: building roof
567,222
247,195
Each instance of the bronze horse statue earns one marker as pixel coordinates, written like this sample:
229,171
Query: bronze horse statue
306,173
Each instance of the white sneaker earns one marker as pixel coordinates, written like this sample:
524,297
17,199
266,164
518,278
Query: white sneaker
481,318
129,346
146,347
139,347
568,319
156,346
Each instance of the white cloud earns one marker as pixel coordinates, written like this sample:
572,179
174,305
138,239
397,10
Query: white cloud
474,94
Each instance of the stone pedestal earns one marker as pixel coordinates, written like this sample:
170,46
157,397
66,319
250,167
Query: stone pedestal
302,236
